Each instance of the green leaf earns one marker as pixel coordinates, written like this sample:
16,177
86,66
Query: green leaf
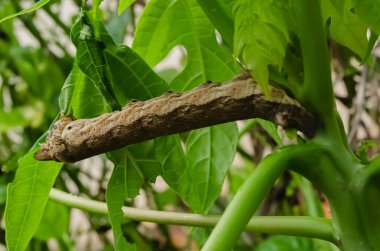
173,160
140,164
90,59
286,243
271,129
345,28
131,77
262,33
79,96
123,4
54,222
16,117
34,7
134,165
26,199
220,14
368,11
198,176
167,23
117,26
210,152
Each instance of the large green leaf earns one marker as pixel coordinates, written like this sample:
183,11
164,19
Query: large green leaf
54,222
26,200
79,96
131,77
262,33
345,26
140,165
134,165
368,11
175,170
198,176
167,23
210,152
34,7
89,57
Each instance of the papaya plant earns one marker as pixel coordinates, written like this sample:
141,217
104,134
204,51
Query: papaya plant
266,61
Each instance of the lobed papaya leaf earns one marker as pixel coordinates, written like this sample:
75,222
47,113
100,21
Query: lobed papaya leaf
346,28
262,33
167,23
368,11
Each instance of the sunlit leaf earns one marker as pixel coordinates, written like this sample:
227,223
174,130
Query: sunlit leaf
26,199
167,23
34,7
368,11
345,27
262,33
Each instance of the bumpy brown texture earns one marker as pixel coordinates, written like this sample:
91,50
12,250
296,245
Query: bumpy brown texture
209,104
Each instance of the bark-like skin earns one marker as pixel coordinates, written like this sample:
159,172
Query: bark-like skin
209,104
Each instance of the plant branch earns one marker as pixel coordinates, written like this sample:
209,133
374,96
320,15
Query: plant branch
210,104
287,225
317,89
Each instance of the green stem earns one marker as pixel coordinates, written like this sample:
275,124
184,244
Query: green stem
286,225
249,197
317,89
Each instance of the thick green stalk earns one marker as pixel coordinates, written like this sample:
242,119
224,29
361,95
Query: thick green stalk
354,202
286,225
317,89
249,197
